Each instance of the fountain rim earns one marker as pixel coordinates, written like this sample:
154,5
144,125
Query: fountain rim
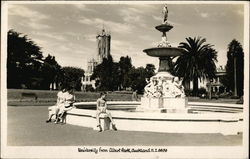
162,122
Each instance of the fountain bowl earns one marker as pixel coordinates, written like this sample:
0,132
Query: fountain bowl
164,27
163,51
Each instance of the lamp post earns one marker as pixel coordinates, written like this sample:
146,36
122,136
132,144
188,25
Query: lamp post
210,88
235,78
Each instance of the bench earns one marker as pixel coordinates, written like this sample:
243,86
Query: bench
29,95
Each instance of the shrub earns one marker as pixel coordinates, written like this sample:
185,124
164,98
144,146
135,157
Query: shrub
202,91
188,92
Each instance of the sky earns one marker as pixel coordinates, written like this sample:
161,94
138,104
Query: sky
68,31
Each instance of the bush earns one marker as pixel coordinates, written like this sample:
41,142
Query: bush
89,88
235,97
188,92
202,91
240,101
225,95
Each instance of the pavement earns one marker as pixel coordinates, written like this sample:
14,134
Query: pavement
27,127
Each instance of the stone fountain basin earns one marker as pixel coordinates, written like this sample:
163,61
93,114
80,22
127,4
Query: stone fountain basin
163,51
225,123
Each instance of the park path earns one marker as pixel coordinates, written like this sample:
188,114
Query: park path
27,127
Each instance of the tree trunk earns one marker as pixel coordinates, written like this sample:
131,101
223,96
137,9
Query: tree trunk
195,86
186,84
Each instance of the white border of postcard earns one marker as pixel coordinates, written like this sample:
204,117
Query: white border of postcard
71,151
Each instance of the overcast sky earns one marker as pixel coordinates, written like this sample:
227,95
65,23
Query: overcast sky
68,31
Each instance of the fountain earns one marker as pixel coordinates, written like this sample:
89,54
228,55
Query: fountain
164,107
164,92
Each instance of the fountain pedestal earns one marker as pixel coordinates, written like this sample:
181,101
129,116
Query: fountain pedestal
163,105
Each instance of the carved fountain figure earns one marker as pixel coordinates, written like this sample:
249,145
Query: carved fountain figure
164,92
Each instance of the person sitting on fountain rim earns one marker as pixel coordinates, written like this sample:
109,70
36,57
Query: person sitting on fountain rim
101,107
53,110
67,105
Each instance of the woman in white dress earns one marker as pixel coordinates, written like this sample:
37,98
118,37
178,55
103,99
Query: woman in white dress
53,110
69,99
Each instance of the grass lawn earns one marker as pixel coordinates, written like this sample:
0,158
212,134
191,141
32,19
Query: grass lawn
47,98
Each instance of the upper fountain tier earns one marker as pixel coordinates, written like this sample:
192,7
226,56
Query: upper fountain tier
164,49
164,27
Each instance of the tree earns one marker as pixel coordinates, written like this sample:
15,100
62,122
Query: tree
124,65
150,70
24,61
137,77
235,62
197,61
116,77
51,71
71,76
112,76
107,73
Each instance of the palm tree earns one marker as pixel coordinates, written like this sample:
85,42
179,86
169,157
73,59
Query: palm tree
197,61
235,68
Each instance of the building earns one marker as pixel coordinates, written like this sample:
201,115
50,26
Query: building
86,81
216,85
103,40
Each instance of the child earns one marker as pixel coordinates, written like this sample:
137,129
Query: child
101,107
